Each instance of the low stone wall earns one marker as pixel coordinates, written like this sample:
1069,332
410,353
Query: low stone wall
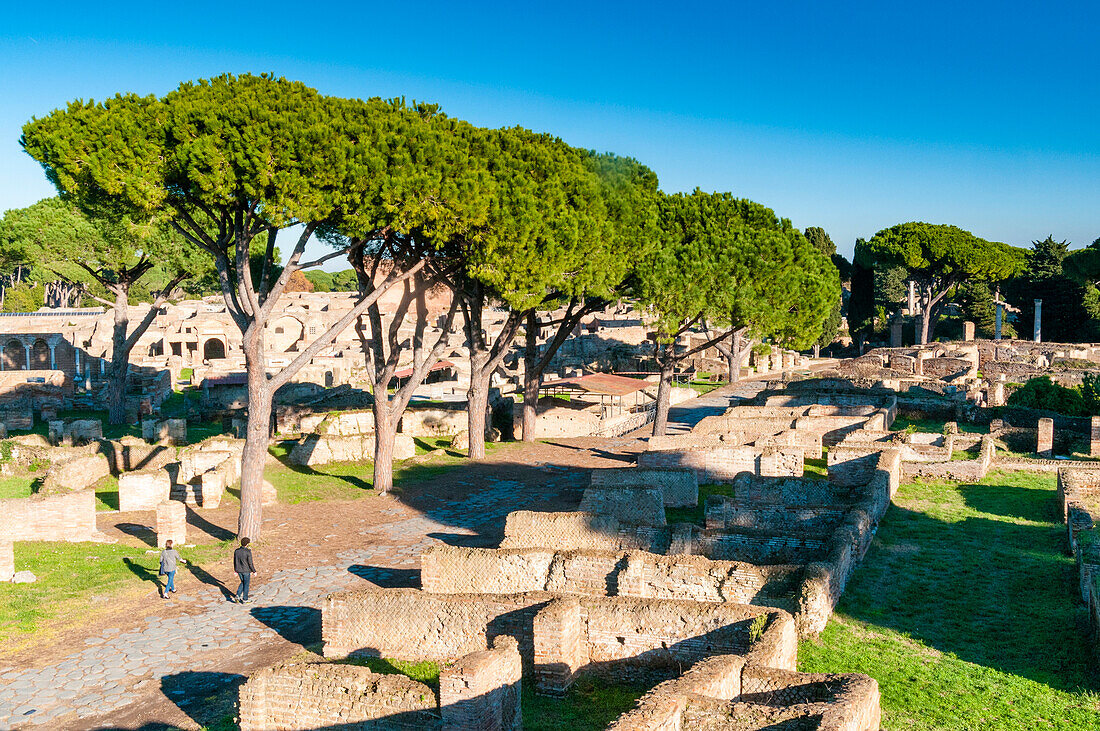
433,422
316,449
633,505
482,691
958,470
143,490
76,473
723,464
168,431
456,570
578,530
74,433
559,638
724,513
731,692
752,427
679,488
294,696
68,517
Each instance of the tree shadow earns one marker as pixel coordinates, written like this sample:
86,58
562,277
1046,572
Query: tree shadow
386,577
143,573
147,535
211,529
205,577
205,697
300,625
991,592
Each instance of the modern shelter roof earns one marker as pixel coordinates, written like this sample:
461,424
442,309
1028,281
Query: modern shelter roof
603,383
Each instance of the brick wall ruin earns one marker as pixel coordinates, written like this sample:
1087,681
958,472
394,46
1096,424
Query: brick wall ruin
68,517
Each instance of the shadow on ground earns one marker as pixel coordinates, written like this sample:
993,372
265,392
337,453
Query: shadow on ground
301,625
388,578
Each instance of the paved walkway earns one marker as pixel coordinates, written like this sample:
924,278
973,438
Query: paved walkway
105,676
184,654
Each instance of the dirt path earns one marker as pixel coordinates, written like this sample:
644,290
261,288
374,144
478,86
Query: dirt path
146,663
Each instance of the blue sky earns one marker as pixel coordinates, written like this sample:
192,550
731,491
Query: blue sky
852,116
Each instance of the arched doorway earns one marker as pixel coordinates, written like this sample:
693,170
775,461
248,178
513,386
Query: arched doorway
214,349
40,356
15,356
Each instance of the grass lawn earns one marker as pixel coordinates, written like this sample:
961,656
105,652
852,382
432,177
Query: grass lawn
353,480
76,578
965,610
591,704
934,426
696,514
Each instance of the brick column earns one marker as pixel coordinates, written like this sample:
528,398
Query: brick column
1045,445
7,560
171,523
560,649
968,331
1094,438
481,691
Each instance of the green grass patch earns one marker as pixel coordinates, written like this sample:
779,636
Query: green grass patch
106,493
18,485
591,704
696,514
965,611
933,426
74,578
424,671
816,469
353,480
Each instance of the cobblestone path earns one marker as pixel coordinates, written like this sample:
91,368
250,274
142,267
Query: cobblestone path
106,674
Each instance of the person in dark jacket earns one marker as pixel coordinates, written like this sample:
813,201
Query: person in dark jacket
242,564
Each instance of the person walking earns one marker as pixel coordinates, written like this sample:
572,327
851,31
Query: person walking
242,564
169,557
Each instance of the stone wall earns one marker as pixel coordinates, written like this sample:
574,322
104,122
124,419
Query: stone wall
171,523
731,692
634,505
679,488
559,638
723,464
482,691
301,696
434,422
456,570
143,490
578,530
68,517
317,449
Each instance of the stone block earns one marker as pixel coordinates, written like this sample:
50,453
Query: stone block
1094,437
968,331
143,490
481,692
171,523
634,505
1045,438
73,475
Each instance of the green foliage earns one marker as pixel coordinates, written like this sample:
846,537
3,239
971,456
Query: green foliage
1042,393
320,279
756,629
861,305
734,263
1066,316
24,297
940,252
976,301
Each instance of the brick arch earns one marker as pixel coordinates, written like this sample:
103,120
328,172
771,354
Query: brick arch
213,349
40,355
15,356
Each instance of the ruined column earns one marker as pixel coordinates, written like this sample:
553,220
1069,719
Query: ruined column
968,331
997,322
895,333
1094,437
997,394
1045,445
912,298
1038,321
171,523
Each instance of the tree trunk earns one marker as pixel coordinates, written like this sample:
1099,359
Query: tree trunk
120,359
257,434
385,433
664,392
531,378
477,406
735,358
